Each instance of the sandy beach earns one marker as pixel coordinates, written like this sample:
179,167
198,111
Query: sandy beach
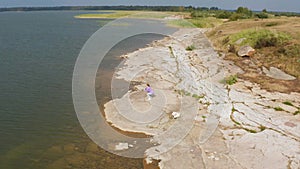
220,125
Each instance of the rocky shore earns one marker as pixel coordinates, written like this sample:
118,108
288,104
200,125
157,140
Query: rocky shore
220,125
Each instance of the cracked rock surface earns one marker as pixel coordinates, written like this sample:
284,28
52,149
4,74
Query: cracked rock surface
221,126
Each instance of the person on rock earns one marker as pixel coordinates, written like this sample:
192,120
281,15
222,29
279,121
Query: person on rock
150,92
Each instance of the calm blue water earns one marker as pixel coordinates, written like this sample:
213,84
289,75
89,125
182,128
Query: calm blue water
38,125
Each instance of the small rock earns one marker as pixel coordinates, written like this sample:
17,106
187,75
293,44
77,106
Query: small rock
130,145
277,74
121,146
240,41
246,51
124,56
175,115
290,124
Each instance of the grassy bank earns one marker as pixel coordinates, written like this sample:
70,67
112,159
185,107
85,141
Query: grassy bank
107,14
114,14
277,44
275,39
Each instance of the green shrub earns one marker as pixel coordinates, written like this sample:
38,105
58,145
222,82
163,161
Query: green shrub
262,128
271,24
278,108
197,96
262,15
296,112
224,15
190,48
241,13
266,42
225,40
235,17
230,80
291,50
288,103
231,49
251,130
199,14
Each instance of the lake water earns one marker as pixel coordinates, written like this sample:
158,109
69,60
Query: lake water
38,125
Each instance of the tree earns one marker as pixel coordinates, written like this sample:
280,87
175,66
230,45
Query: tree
264,10
244,13
214,8
262,15
223,15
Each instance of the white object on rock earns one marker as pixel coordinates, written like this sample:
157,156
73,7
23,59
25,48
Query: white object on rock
175,115
130,145
121,146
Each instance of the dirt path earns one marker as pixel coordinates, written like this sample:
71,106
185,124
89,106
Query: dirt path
221,126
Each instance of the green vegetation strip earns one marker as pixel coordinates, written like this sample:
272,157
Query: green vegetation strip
132,14
278,109
107,14
259,38
181,23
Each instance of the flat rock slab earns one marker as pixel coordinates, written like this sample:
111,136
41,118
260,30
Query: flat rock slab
277,74
220,126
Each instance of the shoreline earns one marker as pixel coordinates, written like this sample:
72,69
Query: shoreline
235,113
132,134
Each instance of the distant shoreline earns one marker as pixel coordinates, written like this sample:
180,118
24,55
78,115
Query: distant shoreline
119,7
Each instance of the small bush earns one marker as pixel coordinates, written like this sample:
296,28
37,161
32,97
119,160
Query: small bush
235,17
190,48
266,42
197,96
224,15
230,80
288,103
188,94
231,49
251,130
199,14
262,128
225,40
278,108
271,24
296,112
262,15
292,50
